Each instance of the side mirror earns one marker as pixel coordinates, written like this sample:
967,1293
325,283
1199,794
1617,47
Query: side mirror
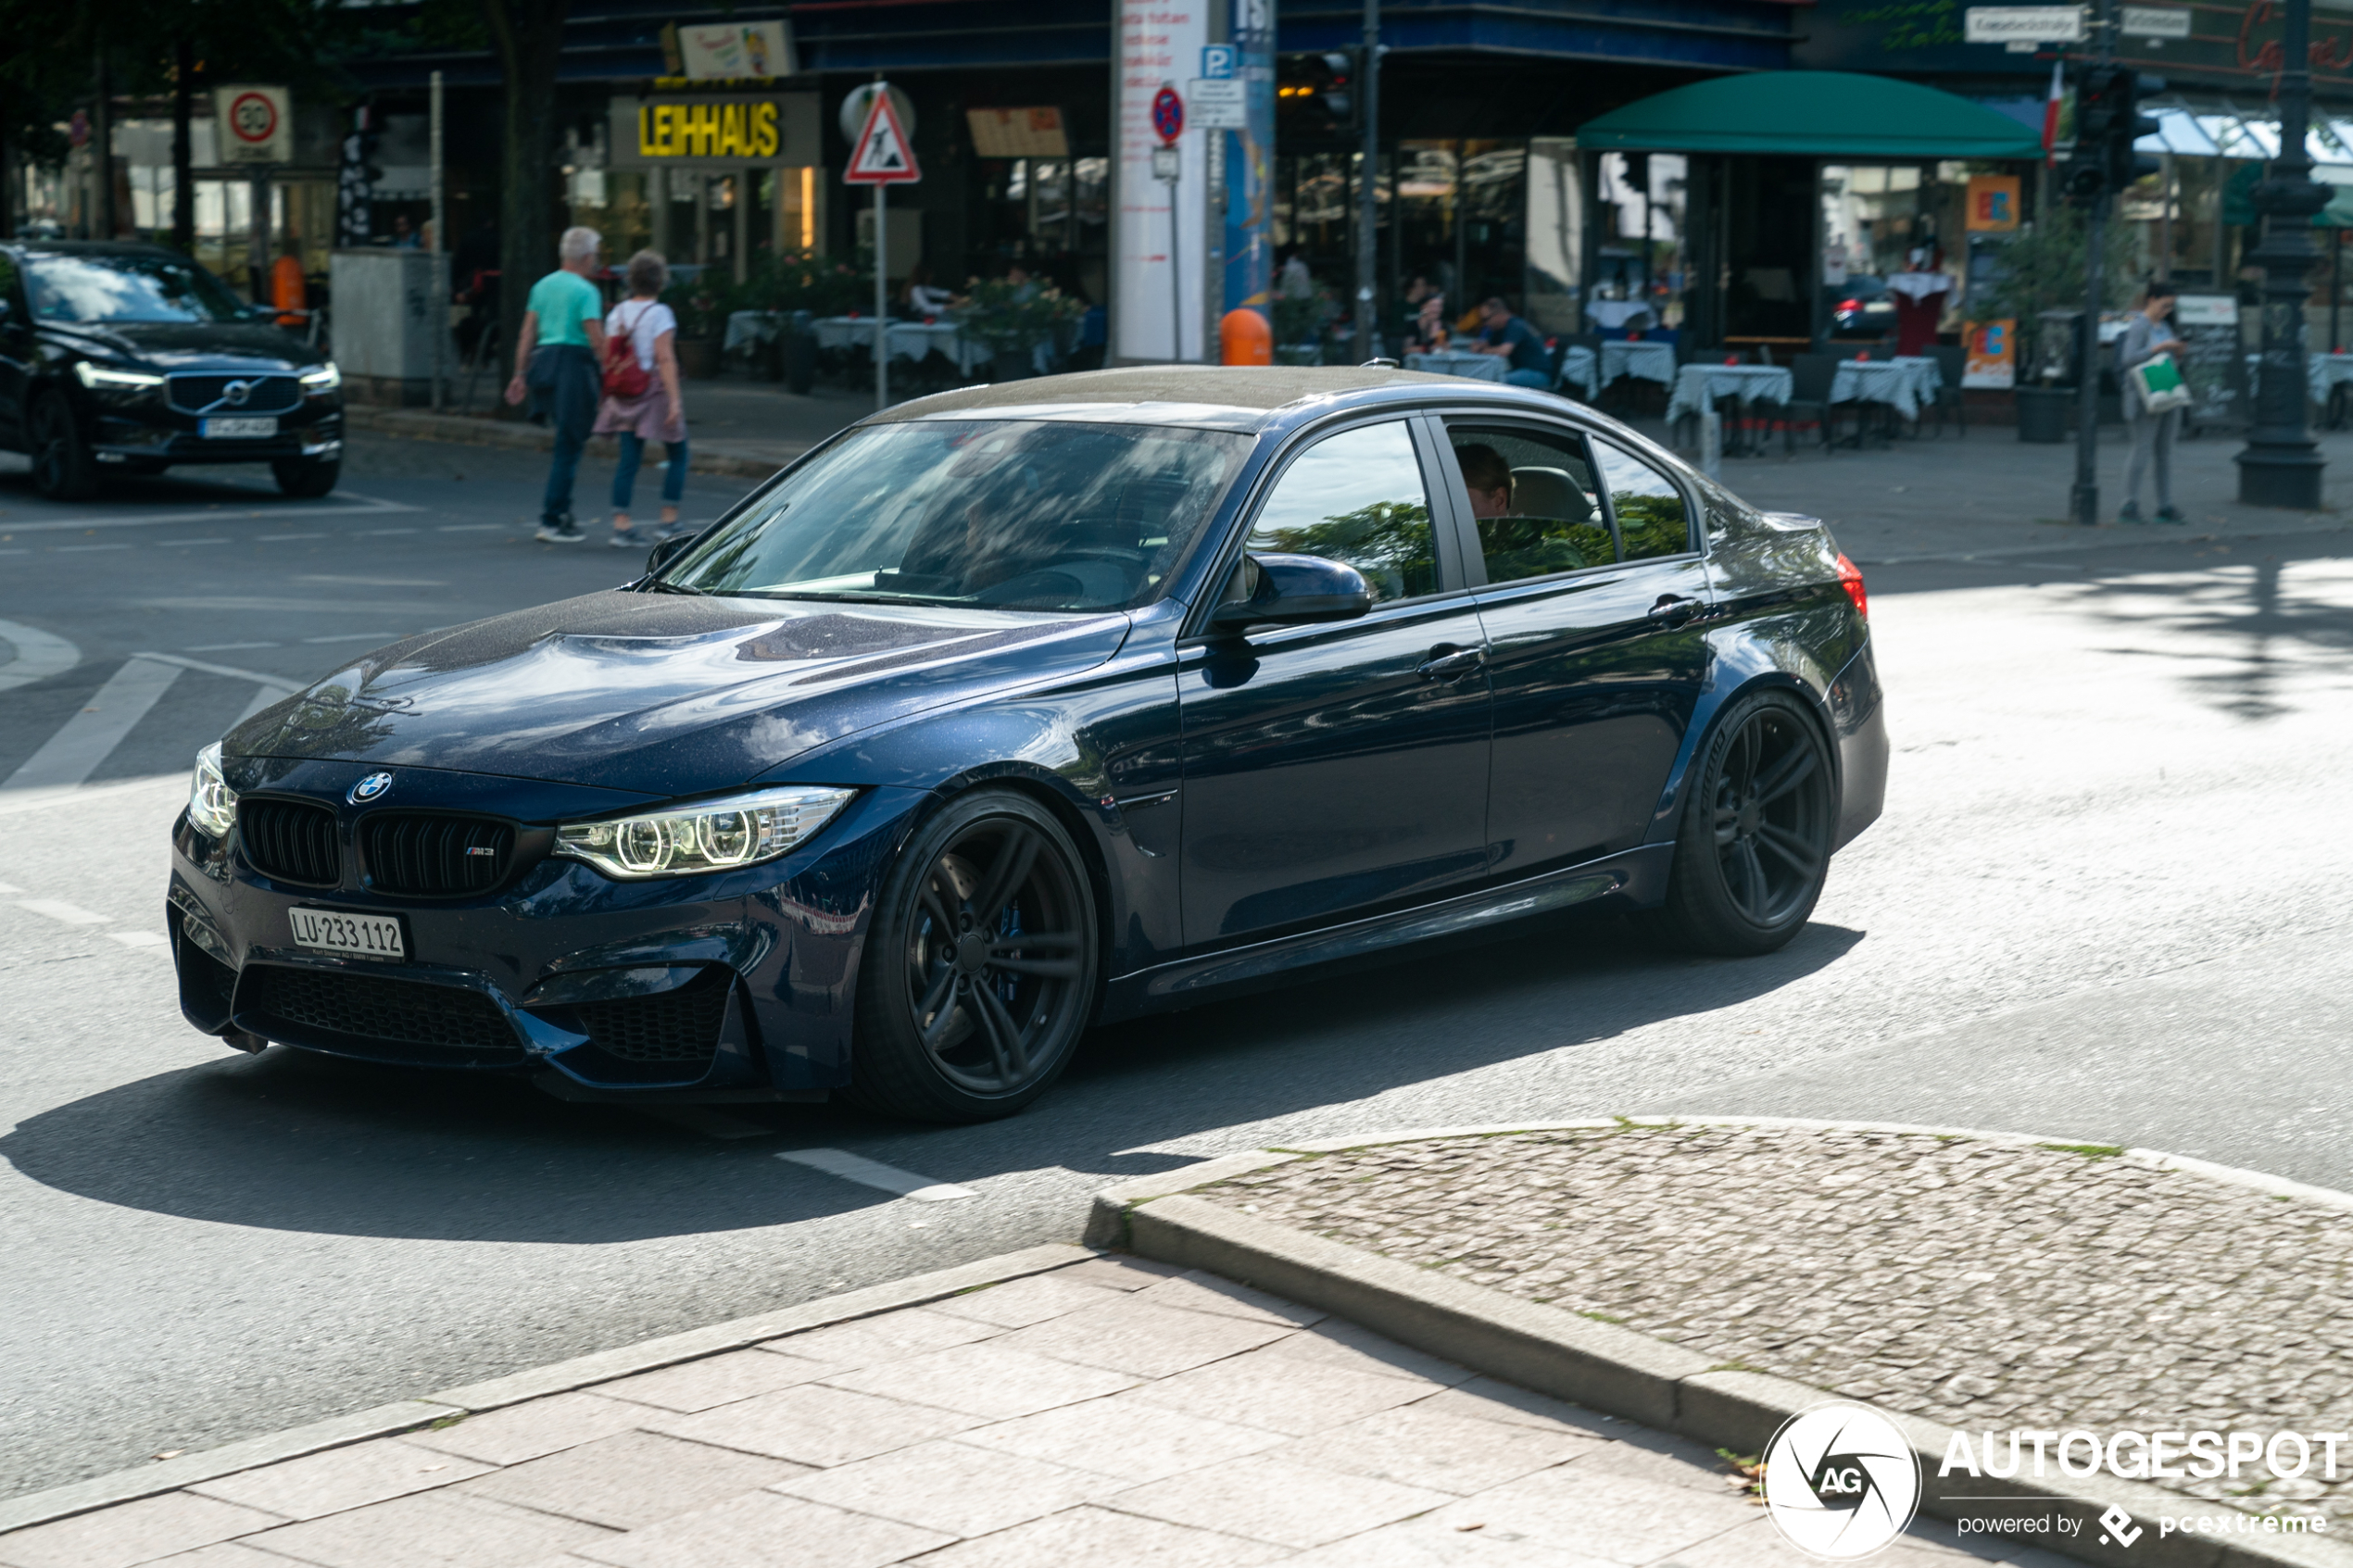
661,555
1284,590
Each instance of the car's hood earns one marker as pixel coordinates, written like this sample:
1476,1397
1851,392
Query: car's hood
663,694
188,346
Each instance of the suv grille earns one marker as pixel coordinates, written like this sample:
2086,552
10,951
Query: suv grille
676,1026
264,394
291,841
434,856
401,1012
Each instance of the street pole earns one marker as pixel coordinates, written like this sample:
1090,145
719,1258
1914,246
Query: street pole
882,303
437,280
1176,260
1368,200
2083,501
2279,466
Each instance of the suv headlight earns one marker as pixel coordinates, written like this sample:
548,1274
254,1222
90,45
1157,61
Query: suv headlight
212,804
321,378
711,835
98,378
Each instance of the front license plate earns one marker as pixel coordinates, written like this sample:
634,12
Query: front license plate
367,936
238,429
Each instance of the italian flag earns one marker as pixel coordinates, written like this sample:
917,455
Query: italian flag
2051,115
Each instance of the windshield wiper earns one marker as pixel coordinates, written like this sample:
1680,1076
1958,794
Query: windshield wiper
657,585
852,598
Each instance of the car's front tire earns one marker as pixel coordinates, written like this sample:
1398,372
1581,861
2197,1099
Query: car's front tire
1753,847
306,479
980,965
64,468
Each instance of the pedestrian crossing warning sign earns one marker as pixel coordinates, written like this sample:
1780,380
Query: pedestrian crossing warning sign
883,156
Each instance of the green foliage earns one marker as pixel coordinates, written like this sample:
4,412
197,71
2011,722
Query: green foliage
2044,267
1389,542
805,280
1650,525
1008,315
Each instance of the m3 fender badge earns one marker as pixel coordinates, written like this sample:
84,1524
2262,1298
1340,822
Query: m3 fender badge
372,787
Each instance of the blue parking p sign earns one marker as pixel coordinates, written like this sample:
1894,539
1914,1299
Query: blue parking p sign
1219,62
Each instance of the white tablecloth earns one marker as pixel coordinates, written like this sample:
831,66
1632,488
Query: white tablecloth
1932,374
1613,314
1644,361
1477,367
1699,386
1580,368
1878,380
2323,373
907,340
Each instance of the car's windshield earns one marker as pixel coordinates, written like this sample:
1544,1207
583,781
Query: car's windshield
1021,514
128,288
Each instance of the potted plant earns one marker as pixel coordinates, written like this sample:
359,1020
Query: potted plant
1014,319
1299,327
702,307
2040,287
798,287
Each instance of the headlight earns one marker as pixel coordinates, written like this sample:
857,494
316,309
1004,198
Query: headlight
212,804
100,379
711,835
324,378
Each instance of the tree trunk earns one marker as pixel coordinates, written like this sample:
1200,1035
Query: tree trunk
102,213
183,156
528,37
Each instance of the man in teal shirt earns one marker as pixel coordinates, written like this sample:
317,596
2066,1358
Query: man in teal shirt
558,364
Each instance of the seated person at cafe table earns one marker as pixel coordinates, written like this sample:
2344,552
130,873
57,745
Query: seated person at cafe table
1511,336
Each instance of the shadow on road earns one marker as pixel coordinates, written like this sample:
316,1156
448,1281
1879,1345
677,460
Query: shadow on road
291,1141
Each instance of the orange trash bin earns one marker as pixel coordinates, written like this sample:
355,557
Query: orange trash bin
1244,338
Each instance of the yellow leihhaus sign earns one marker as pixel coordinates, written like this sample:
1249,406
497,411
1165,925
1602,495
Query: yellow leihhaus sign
746,133
713,130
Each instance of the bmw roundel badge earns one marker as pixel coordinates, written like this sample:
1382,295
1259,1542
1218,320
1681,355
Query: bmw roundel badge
369,788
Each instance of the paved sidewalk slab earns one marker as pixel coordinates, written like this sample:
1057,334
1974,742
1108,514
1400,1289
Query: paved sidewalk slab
1109,1412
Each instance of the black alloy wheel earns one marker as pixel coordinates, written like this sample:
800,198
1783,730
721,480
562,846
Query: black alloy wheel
304,478
979,969
64,468
1754,845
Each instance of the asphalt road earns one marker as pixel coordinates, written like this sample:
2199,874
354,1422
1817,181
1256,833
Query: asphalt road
2108,902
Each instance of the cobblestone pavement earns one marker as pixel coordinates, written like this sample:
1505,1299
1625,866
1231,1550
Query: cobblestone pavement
1109,1412
1987,1285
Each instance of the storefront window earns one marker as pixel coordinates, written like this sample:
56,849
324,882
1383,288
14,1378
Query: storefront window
1643,264
1880,219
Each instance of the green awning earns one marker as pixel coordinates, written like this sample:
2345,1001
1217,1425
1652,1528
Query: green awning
1811,114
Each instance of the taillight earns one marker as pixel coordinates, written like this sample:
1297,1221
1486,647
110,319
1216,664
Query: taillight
1848,306
1850,577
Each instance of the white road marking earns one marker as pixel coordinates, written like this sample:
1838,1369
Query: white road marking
372,582
38,655
875,1173
373,533
168,541
83,741
228,648
9,888
68,549
279,538
358,637
472,528
140,938
58,910
279,684
213,514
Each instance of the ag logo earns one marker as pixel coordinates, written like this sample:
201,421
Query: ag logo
1840,1481
369,788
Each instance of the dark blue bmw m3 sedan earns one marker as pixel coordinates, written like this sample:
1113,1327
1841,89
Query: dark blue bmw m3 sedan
1030,706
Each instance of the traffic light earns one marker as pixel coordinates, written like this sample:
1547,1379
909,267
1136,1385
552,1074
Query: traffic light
1322,87
2124,165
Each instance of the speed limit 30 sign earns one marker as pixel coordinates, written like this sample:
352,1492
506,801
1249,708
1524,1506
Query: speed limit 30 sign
253,124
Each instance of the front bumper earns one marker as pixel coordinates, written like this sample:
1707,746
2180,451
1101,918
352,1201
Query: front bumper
740,980
144,428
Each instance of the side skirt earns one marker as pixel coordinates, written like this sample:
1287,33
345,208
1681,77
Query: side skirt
1634,879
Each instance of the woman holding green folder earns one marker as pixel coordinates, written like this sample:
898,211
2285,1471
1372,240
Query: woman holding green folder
2147,336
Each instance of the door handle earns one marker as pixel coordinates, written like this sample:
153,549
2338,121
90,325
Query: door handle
1448,663
1671,610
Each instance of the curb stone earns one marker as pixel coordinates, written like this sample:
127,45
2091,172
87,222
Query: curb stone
425,425
474,1399
1621,1372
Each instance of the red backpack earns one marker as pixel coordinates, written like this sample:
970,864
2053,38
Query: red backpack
625,377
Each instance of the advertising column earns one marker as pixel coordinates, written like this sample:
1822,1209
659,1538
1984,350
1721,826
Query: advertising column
1250,163
1157,298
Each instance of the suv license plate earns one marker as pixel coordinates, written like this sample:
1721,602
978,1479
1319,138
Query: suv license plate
238,429
367,936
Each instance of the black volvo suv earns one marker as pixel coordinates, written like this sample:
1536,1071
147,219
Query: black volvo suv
132,357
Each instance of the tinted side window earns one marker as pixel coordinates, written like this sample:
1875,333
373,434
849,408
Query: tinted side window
1534,501
1358,497
1651,517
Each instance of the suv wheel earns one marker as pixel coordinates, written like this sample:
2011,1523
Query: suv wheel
64,468
305,478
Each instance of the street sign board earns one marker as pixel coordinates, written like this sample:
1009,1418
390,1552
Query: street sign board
1168,113
2156,22
883,156
1220,62
254,124
1218,103
2024,24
